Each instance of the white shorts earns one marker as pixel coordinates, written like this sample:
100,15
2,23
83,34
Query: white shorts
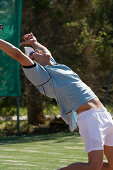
96,129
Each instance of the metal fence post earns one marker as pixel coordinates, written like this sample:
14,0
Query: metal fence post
18,121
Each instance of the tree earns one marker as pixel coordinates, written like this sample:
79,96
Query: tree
78,33
33,97
34,105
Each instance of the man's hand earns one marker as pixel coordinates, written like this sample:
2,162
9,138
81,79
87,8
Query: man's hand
32,41
29,39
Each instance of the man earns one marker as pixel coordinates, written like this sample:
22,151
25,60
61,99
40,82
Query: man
73,96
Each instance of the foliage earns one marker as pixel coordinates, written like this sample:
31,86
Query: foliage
7,106
79,33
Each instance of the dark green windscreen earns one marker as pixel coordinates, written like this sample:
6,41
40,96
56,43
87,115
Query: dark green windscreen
10,18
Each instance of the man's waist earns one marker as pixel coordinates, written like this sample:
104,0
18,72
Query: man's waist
93,103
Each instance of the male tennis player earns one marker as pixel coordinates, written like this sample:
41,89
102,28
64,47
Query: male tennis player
73,96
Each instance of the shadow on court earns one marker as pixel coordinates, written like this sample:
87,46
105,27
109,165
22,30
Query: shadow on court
56,138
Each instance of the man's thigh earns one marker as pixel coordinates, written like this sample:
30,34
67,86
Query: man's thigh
108,151
96,157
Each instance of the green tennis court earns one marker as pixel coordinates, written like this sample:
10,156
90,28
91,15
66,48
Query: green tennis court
41,152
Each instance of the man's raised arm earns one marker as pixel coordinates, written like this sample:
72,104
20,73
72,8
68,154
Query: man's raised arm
30,39
15,53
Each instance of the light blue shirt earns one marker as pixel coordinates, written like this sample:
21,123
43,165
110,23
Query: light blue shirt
60,82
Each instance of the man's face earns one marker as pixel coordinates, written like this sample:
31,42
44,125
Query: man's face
40,57
36,54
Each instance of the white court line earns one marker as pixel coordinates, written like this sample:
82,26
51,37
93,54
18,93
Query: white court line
17,150
11,160
65,160
75,156
8,149
16,168
18,164
53,153
31,151
13,157
75,147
